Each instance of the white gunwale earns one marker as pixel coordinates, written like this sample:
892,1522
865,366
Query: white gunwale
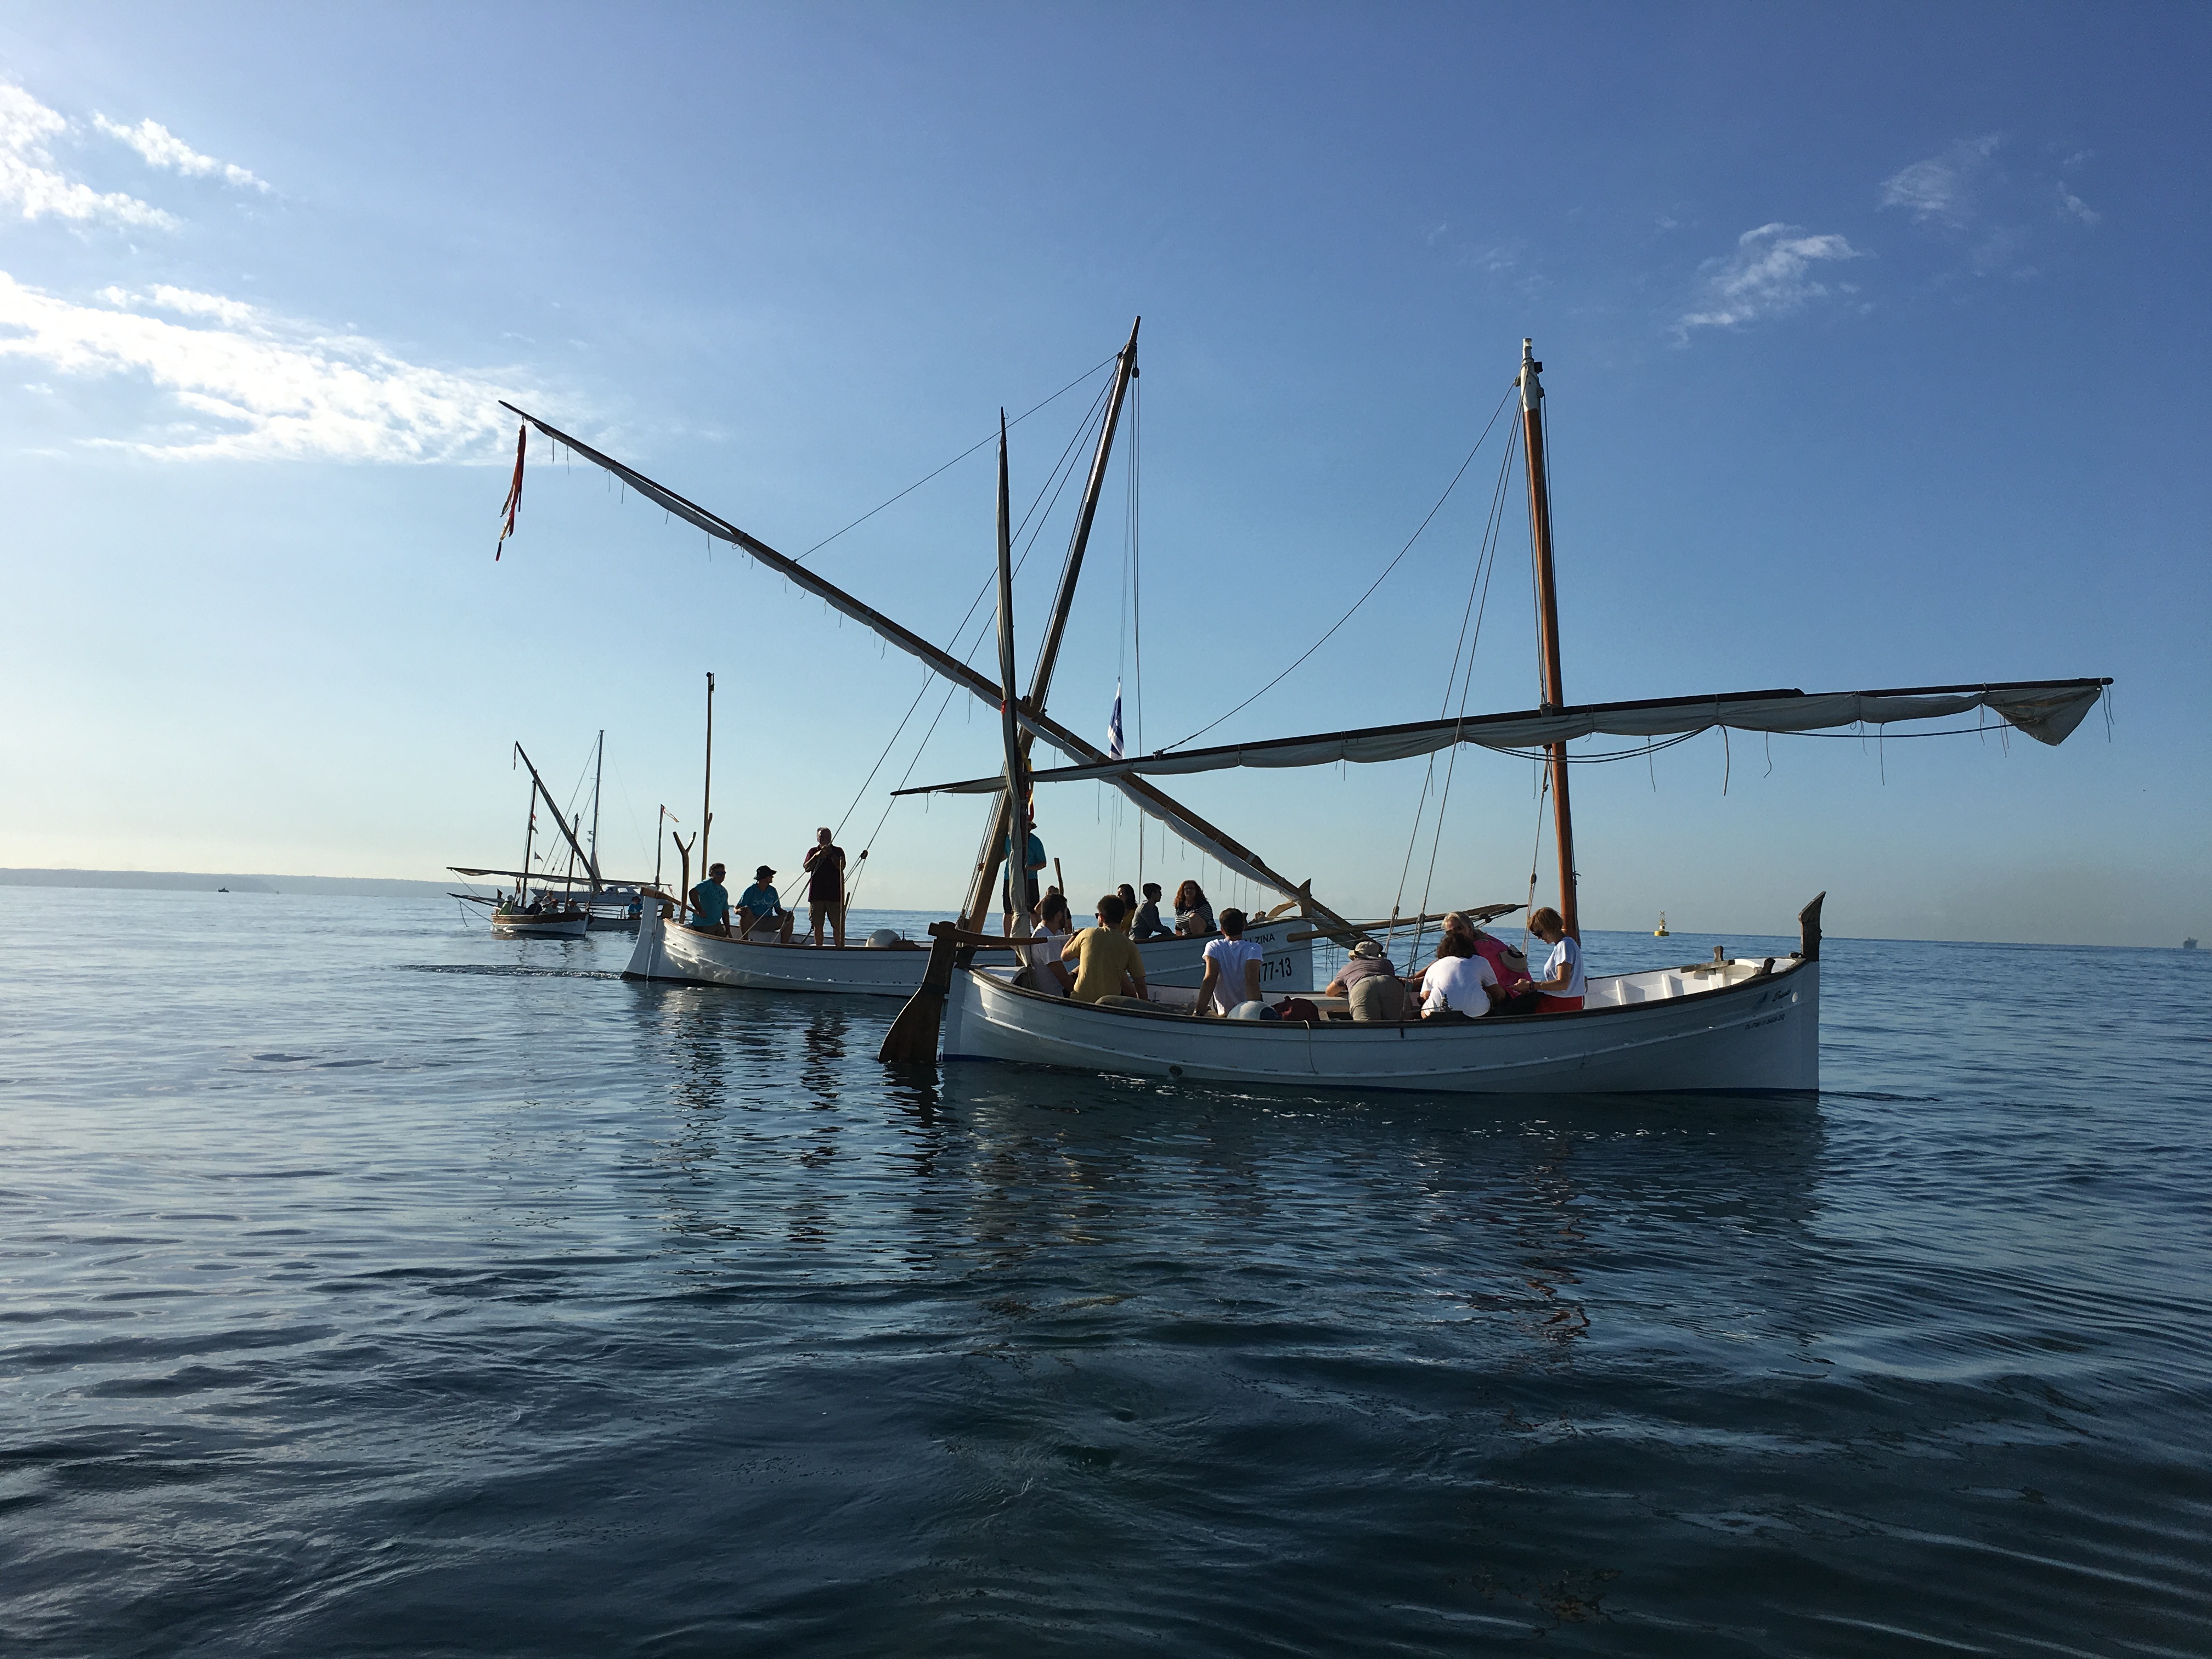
1758,1033
666,951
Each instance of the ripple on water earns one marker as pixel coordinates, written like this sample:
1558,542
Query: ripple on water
372,1284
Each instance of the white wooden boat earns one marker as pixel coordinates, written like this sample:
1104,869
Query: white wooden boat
670,951
575,917
1727,1026
1746,1025
515,924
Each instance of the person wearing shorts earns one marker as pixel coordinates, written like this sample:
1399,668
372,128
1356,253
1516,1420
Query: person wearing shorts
825,888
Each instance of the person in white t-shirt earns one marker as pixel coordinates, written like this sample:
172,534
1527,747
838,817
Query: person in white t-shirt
1232,968
1459,983
1561,986
1054,927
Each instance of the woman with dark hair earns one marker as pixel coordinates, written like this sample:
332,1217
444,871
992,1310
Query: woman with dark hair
1194,916
1458,984
1127,895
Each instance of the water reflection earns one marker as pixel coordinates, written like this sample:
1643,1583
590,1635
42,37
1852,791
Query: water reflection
1489,1221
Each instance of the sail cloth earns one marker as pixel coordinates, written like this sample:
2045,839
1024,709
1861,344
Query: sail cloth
2046,710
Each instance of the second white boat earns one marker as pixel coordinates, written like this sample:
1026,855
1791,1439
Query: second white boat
670,951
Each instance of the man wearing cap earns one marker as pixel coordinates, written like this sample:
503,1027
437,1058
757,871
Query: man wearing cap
761,906
1370,984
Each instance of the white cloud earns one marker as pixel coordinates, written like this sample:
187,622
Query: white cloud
29,183
1943,188
1770,274
252,384
163,149
2075,205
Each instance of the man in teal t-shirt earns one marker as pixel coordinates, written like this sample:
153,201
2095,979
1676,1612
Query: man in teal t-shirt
761,906
1032,866
710,903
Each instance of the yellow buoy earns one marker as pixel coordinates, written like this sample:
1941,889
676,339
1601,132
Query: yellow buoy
1660,932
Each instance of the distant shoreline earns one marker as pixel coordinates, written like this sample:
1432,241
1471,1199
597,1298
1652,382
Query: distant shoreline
193,882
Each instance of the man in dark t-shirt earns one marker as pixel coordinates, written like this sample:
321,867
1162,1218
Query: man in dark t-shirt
825,888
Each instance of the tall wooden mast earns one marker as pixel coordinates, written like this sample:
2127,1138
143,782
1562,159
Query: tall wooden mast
537,784
1156,802
1548,619
1009,732
598,766
707,788
995,840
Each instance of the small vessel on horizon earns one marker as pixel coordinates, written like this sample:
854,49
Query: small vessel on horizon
545,916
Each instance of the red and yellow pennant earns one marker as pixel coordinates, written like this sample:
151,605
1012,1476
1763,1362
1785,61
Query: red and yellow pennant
513,503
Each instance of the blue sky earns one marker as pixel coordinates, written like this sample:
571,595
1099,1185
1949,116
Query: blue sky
1875,338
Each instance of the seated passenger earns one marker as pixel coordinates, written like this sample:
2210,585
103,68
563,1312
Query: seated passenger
1148,924
710,903
1194,916
1107,961
1044,971
1370,983
1510,967
1562,984
1127,895
1232,969
761,906
1458,984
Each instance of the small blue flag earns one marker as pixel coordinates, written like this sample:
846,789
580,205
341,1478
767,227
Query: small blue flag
1113,726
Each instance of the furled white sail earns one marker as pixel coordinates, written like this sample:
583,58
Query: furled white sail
2046,710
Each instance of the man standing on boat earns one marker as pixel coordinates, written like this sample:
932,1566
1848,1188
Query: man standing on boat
824,864
710,903
1033,862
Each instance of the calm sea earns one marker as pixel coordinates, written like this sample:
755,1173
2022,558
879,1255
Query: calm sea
375,1286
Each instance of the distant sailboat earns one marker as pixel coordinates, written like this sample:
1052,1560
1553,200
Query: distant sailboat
1660,932
562,917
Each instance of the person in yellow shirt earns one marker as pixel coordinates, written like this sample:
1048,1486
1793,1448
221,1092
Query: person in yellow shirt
1107,963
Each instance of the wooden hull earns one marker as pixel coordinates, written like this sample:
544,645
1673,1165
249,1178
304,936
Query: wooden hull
670,951
1638,1033
541,927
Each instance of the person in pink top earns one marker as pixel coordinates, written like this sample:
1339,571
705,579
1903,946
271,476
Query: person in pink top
1512,982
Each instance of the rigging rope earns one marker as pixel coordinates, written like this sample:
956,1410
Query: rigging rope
1364,597
1536,856
1486,563
955,461
1056,482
